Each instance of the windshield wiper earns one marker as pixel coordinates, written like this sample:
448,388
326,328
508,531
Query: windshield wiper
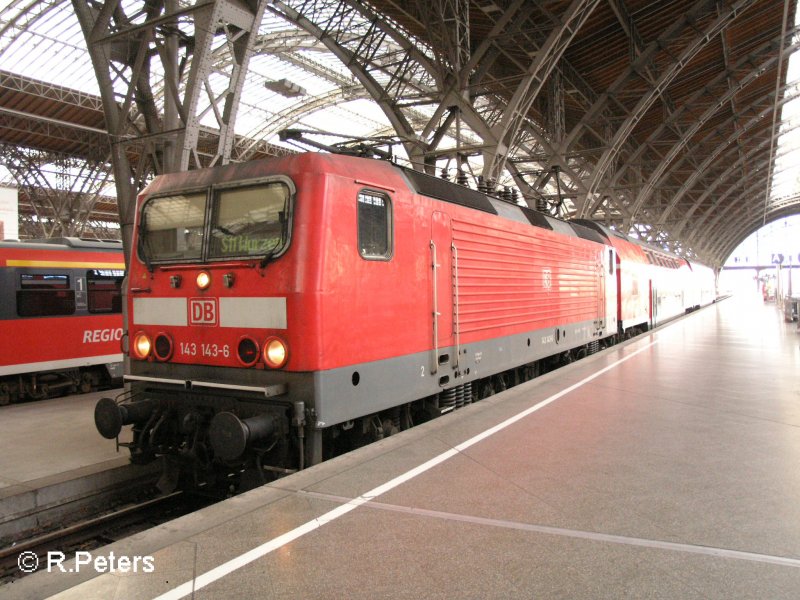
267,258
221,229
141,244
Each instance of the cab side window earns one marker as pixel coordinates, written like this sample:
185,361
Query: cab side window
374,225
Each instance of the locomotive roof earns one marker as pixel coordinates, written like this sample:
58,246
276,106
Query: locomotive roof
653,253
342,164
454,193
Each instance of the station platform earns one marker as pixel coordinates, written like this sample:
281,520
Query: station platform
666,467
53,461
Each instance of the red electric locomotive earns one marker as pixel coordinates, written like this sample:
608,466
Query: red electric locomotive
284,310
60,316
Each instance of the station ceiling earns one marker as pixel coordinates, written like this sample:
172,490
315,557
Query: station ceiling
661,119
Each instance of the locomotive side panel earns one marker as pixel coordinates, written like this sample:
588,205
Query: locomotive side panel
377,302
372,272
501,294
512,281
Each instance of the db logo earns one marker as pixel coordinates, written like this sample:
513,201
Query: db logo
202,311
547,279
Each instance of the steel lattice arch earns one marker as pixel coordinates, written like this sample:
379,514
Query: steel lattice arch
658,119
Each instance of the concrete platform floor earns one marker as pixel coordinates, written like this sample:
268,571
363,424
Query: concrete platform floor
666,467
51,437
54,465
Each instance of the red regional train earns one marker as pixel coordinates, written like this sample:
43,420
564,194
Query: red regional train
60,316
653,286
283,311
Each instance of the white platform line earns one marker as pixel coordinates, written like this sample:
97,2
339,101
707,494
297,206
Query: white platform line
240,561
594,536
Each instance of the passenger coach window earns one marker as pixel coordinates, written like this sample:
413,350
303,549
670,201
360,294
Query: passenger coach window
43,295
374,225
104,287
250,221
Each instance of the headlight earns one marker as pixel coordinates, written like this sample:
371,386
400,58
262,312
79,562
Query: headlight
203,280
141,345
275,353
247,351
163,347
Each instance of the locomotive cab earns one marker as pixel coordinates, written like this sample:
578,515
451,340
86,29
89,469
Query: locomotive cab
207,307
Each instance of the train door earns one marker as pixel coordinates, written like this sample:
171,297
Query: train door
600,324
611,291
441,254
618,291
653,304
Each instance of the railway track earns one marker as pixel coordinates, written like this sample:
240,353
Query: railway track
28,556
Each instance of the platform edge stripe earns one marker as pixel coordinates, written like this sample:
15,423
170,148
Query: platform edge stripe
519,416
240,561
160,311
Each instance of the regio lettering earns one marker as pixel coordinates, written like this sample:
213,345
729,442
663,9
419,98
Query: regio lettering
93,336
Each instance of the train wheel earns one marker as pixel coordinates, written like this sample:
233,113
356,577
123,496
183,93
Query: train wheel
86,382
484,388
139,457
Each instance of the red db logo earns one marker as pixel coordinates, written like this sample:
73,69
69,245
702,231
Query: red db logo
202,311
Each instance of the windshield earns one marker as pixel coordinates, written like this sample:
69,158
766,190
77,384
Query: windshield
172,227
244,222
249,221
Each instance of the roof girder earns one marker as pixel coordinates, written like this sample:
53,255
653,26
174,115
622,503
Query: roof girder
429,82
779,210
734,86
714,218
721,156
121,51
680,59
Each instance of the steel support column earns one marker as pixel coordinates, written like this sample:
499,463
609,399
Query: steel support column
124,51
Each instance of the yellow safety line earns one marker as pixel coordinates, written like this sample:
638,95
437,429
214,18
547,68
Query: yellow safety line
64,265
